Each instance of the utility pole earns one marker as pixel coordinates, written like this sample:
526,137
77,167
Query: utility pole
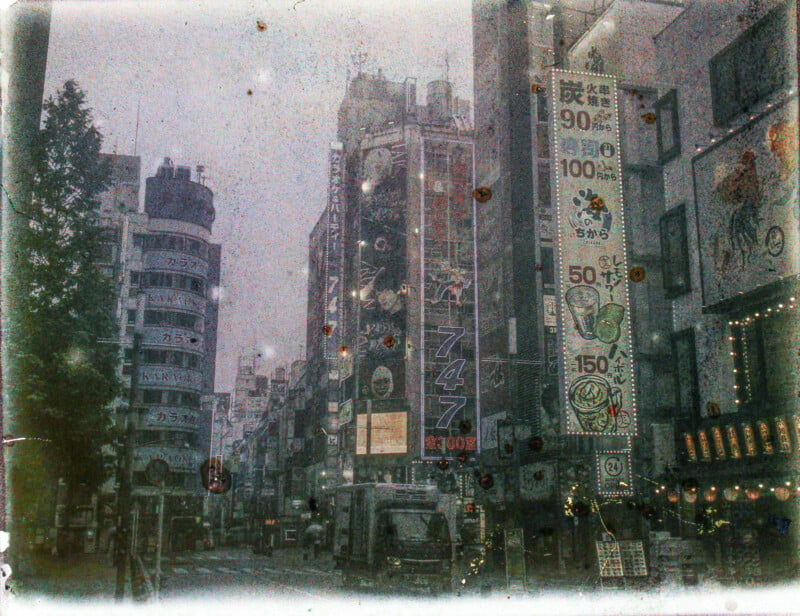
124,501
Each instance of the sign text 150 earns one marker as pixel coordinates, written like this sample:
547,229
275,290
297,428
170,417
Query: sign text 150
592,363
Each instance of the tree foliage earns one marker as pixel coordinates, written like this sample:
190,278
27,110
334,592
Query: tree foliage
68,377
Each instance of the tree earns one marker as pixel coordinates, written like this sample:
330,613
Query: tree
67,375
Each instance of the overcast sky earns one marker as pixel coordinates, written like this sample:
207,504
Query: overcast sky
190,64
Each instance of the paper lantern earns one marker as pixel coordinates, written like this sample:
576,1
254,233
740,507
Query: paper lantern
673,496
730,494
690,496
710,496
782,493
753,493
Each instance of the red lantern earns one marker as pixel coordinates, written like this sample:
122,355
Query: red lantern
782,493
730,494
753,493
673,496
690,496
710,496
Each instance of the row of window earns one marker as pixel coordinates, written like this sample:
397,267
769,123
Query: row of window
167,280
176,319
160,437
171,398
171,242
172,358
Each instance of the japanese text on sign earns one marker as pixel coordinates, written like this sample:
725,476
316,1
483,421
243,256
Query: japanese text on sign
333,255
449,370
597,367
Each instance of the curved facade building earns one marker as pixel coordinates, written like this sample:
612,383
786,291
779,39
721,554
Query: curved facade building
177,322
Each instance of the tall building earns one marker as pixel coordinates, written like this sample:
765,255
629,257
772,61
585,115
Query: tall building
167,299
630,120
395,253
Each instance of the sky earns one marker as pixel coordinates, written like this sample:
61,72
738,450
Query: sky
189,65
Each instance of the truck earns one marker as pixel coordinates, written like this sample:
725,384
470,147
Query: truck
393,535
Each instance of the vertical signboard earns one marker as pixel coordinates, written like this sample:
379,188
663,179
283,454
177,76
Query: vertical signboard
333,256
597,363
450,415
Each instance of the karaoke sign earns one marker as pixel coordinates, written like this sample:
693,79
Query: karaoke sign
597,366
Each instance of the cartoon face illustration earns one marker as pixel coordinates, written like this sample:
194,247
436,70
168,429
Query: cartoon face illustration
382,382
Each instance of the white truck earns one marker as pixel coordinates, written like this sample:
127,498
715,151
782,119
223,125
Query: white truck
393,536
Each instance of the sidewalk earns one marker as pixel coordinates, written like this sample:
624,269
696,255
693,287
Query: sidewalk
80,576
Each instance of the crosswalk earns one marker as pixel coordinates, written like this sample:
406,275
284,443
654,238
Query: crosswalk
209,564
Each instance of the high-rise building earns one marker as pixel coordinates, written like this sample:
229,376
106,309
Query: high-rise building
392,308
169,269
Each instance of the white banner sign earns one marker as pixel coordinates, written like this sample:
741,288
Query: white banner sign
171,377
176,262
169,417
178,459
169,298
597,367
170,336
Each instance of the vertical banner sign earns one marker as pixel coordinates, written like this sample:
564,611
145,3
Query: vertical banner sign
449,346
597,363
333,256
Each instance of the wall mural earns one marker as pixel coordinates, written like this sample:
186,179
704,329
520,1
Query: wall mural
382,273
746,196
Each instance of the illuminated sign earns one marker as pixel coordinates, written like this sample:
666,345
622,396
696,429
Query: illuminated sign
719,445
784,442
169,417
449,344
388,433
705,448
333,255
614,470
691,450
766,439
749,440
170,377
382,433
597,368
733,442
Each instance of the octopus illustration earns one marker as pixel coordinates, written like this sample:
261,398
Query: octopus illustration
741,188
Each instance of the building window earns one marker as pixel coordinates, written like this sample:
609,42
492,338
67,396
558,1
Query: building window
668,133
752,67
548,269
685,374
765,361
675,252
131,316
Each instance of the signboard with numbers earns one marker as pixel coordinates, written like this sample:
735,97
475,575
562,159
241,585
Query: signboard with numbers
614,476
449,345
333,255
597,363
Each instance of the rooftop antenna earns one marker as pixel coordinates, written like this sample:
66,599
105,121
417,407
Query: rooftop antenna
136,135
359,60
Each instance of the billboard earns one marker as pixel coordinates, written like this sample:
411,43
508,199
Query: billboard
334,255
450,409
382,273
382,433
596,366
746,194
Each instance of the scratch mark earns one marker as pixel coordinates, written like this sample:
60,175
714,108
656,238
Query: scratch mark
294,6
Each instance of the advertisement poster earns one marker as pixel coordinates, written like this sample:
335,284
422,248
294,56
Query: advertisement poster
334,255
746,198
597,363
450,395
